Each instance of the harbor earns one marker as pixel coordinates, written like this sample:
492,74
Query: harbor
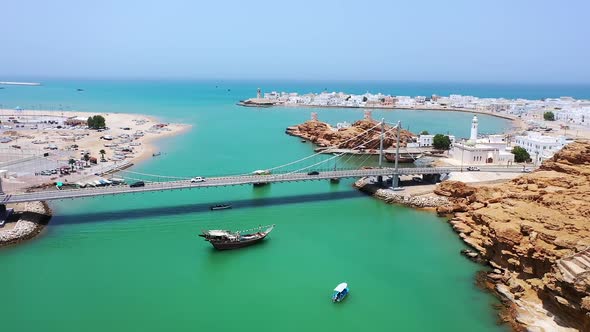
314,215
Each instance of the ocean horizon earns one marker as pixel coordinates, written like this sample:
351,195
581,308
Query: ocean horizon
510,90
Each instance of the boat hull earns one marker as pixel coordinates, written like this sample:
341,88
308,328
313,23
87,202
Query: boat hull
215,208
402,159
237,244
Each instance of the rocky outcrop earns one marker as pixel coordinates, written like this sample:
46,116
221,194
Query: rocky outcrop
324,135
393,197
32,218
534,230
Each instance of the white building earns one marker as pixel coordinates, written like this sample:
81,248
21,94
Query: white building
540,147
491,150
427,140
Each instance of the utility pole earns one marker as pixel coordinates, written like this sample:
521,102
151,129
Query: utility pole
381,142
396,176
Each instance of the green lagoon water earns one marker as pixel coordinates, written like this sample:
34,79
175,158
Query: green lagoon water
135,263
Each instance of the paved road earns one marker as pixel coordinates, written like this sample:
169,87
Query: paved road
233,181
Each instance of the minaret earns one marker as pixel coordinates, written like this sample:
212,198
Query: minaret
258,94
473,129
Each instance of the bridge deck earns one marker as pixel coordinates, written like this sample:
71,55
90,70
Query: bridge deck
233,181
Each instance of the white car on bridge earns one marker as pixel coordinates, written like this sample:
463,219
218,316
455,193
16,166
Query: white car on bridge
198,179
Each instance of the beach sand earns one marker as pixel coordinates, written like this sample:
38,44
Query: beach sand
23,157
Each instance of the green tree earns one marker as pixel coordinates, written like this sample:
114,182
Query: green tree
96,122
86,159
549,116
520,154
102,153
441,142
424,132
99,121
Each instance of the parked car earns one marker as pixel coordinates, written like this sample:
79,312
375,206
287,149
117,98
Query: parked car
137,184
473,168
417,179
313,173
198,179
526,170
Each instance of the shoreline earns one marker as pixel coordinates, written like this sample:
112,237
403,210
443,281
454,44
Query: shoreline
511,227
393,108
517,122
132,139
33,217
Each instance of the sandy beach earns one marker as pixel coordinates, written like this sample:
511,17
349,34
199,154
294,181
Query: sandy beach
38,141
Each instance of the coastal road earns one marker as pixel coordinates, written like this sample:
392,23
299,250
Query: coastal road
223,181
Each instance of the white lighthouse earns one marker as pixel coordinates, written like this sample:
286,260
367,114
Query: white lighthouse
473,136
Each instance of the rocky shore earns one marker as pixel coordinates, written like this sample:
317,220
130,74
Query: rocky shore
533,232
393,197
322,134
28,221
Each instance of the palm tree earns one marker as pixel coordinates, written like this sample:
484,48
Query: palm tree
102,153
86,158
72,162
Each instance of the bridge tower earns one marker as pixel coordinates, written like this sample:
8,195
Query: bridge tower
381,142
395,182
259,94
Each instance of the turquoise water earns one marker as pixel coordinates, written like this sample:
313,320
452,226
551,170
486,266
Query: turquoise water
135,263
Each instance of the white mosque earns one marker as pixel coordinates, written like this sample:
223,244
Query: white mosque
492,150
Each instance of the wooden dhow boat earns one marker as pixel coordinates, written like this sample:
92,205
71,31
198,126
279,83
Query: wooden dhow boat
226,240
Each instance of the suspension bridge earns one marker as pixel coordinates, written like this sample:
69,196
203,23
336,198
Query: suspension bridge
277,174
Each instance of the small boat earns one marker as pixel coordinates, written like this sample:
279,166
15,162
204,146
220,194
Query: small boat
303,141
404,158
335,180
226,240
220,206
156,154
340,292
79,89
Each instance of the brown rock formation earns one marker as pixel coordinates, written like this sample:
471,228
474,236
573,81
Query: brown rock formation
322,134
537,229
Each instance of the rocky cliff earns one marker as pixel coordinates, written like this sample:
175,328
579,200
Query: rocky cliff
535,232
324,135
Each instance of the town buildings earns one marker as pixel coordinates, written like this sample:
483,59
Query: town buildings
540,147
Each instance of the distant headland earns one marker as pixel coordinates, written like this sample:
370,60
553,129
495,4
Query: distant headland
20,83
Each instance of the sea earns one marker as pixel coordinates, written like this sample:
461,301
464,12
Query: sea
135,263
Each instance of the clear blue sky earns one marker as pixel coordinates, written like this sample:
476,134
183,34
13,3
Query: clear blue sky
454,40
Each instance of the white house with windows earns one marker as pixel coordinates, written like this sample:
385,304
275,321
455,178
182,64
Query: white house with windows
541,147
427,140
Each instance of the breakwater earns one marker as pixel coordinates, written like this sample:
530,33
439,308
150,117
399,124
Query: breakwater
32,218
393,197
